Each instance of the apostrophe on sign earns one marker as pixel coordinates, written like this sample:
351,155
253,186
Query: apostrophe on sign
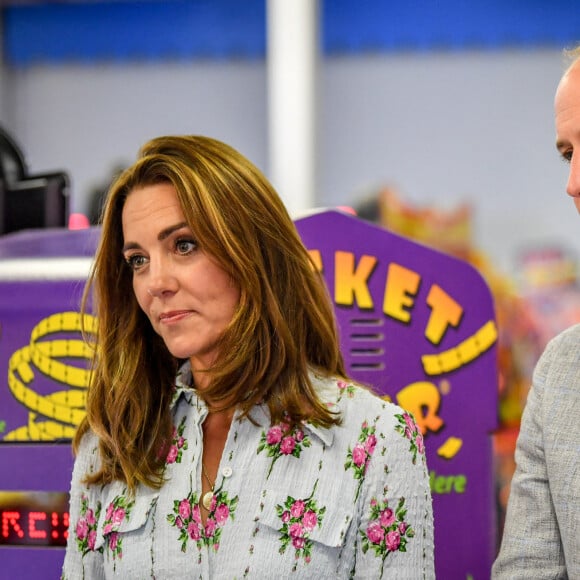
450,448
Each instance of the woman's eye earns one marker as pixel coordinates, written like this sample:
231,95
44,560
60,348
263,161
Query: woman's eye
185,247
135,261
567,156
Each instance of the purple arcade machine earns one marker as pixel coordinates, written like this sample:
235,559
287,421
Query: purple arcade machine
416,324
419,326
43,364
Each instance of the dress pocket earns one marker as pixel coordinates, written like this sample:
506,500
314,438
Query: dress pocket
123,515
301,523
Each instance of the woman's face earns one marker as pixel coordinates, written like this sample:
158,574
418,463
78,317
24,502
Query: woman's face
188,298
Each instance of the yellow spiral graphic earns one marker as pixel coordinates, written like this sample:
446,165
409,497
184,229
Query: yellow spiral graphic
56,415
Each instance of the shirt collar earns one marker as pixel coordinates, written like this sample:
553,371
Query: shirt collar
323,387
325,435
184,386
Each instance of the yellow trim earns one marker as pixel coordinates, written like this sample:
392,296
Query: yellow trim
462,354
57,415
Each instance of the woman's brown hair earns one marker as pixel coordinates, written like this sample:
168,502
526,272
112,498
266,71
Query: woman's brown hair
284,324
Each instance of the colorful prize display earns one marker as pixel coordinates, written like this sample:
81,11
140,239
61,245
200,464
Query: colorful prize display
416,324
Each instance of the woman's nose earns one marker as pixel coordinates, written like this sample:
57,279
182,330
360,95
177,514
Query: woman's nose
161,281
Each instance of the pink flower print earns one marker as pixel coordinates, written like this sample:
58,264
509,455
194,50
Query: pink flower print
299,518
387,531
387,517
358,458
92,539
409,429
359,455
344,387
82,529
193,531
287,445
297,508
370,444
118,516
274,435
222,513
393,541
113,541
186,518
282,440
420,443
178,444
409,421
118,511
375,533
184,509
172,455
210,526
213,503
295,530
91,517
309,520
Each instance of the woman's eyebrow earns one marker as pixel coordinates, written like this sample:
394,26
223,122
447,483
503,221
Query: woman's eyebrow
163,235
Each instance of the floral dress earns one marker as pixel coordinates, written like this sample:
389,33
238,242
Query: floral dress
351,501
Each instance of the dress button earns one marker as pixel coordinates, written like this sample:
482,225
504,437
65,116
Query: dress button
227,471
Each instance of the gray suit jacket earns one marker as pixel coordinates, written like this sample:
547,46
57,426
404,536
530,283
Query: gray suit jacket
542,533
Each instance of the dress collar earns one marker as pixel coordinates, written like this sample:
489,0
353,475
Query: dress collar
323,386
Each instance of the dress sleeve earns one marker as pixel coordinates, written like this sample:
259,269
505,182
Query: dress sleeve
531,546
83,557
395,531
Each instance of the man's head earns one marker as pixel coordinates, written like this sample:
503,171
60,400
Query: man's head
567,112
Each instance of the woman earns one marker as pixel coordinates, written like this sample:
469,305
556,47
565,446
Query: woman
261,459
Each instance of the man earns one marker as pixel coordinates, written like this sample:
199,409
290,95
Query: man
542,531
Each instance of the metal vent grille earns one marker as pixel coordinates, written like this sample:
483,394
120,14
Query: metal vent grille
366,344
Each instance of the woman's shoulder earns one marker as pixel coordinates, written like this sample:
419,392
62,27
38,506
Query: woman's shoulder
353,399
88,441
368,419
87,456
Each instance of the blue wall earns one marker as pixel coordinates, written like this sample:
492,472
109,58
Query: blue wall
185,29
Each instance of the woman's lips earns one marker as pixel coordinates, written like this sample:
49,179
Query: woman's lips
173,316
